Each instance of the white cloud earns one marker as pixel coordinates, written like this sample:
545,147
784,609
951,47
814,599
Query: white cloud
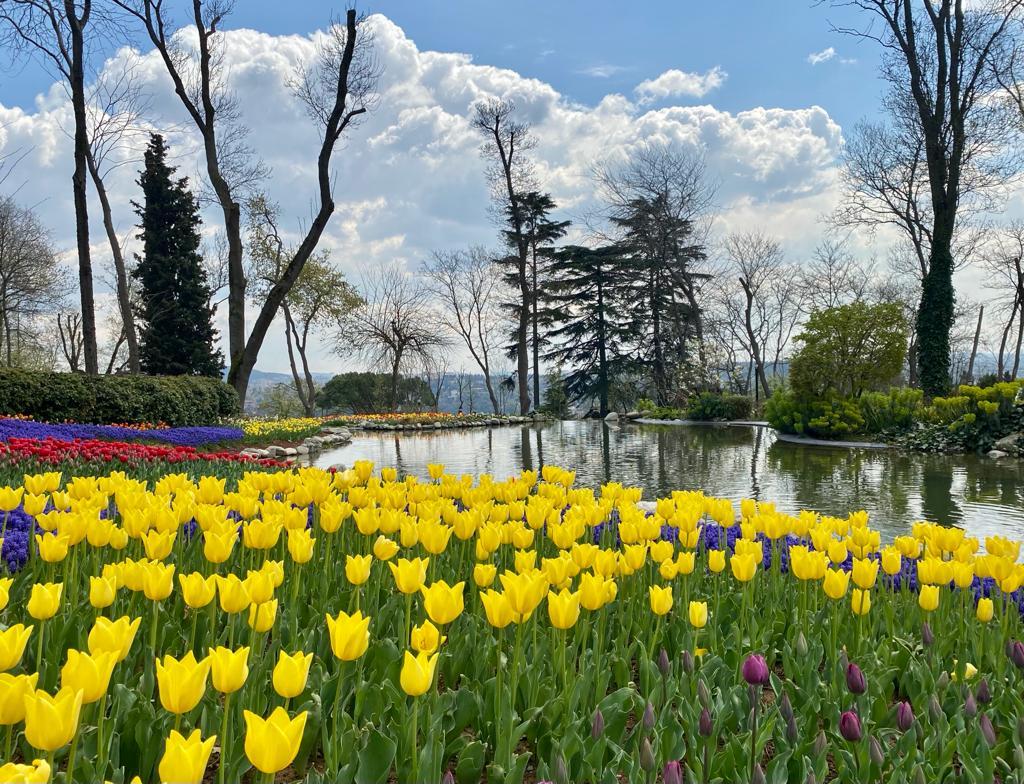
675,83
817,58
601,70
410,180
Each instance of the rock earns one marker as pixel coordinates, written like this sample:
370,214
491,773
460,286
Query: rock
289,451
612,417
302,450
276,451
995,454
633,415
1008,443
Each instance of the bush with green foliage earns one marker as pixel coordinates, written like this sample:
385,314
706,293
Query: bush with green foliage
101,400
896,410
556,402
369,393
704,407
831,417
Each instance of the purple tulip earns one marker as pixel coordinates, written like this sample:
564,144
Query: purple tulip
875,751
1016,652
597,725
448,778
688,663
672,773
927,637
647,761
849,726
785,706
649,717
664,665
792,732
970,706
988,732
983,693
755,670
705,725
904,716
855,681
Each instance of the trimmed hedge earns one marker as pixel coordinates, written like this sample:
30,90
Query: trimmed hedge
76,397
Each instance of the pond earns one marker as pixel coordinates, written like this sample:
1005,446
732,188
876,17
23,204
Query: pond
984,496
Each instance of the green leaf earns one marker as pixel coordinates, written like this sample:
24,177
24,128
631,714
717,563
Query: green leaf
375,759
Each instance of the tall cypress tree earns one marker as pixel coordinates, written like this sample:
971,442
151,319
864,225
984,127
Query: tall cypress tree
176,334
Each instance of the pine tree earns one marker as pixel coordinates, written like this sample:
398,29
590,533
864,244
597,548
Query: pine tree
176,333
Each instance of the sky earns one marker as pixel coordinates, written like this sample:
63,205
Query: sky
764,89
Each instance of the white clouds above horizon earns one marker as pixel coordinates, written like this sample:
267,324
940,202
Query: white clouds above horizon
410,180
677,84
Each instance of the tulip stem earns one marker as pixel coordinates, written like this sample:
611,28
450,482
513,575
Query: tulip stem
39,653
754,704
415,738
101,748
70,775
8,739
223,767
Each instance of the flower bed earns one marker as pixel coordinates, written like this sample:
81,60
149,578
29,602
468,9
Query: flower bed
360,626
179,436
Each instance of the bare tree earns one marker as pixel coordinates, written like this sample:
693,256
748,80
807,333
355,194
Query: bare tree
435,375
507,143
31,281
69,328
55,32
1003,259
938,64
336,90
833,277
321,297
465,285
396,327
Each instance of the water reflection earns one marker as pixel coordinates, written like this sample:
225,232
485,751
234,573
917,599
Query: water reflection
737,462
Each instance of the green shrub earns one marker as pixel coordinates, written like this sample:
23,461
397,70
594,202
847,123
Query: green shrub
75,397
898,409
833,417
711,405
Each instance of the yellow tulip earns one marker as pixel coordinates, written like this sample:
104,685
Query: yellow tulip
443,603
196,589
435,470
185,759
116,636
102,591
716,560
484,574
744,565
300,545
5,585
836,583
426,638
158,544
291,673
417,673
524,592
259,585
88,673
44,600
865,572
262,616
232,594
272,744
698,614
892,560
52,548
157,580
409,574
860,601
181,683
228,668
984,609
661,599
837,551
350,635
384,549
13,691
928,598
12,645
10,498
499,612
36,773
563,608
52,721
357,568
217,546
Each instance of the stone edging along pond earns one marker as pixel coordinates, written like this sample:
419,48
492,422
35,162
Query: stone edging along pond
787,437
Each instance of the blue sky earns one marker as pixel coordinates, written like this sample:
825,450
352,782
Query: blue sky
589,49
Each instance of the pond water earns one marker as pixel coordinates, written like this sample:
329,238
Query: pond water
981,495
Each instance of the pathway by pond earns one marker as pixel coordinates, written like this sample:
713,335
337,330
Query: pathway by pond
984,496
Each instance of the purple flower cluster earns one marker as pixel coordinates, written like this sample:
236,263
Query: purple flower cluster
178,436
19,526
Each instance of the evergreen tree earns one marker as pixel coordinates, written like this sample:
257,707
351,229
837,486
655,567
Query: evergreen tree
594,330
539,233
176,333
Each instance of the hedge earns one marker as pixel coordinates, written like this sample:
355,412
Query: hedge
102,400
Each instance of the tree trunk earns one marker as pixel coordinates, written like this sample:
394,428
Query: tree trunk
602,353
289,330
536,337
974,347
1000,366
123,300
935,314
755,348
77,84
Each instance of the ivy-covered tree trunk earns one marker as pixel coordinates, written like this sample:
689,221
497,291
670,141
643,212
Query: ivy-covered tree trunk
935,315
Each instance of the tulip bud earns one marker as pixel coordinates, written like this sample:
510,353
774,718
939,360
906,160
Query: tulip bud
926,635
664,666
1016,652
755,670
672,773
688,663
448,778
785,706
1018,757
705,726
970,706
702,694
875,751
597,725
942,682
801,645
983,694
559,773
647,756
758,776
919,775
820,743
988,732
792,733
844,660
849,726
811,778
855,681
934,708
648,719
904,716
